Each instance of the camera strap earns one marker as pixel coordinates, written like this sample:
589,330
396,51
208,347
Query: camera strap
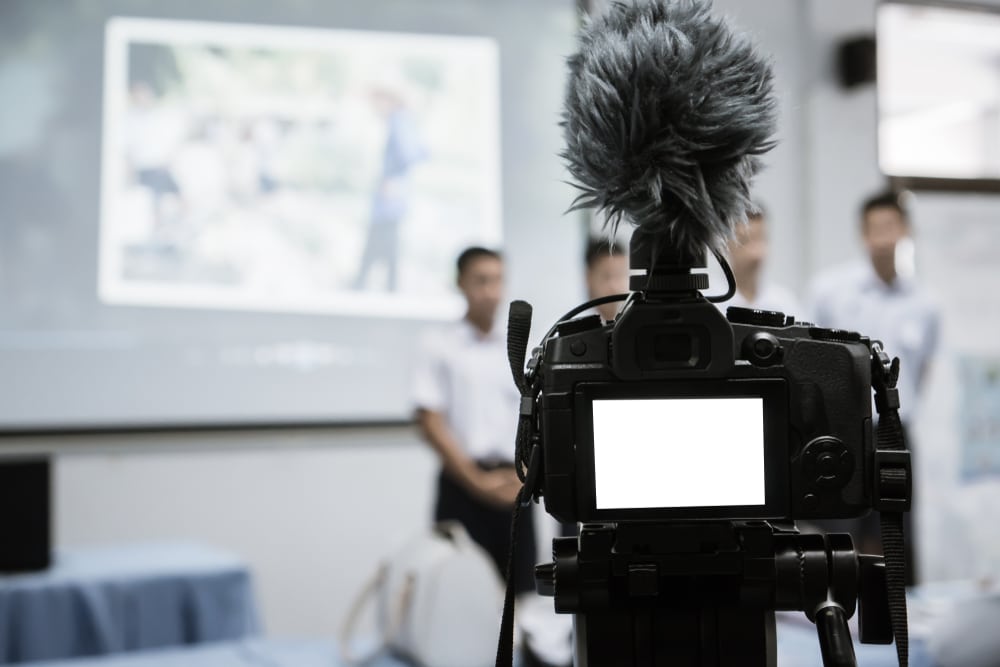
892,490
527,461
518,330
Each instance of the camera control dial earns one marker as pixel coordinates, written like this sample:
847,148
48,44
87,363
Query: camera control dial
836,335
827,463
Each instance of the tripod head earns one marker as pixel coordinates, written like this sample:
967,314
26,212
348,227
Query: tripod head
704,594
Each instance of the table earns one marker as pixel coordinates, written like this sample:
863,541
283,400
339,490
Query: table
101,600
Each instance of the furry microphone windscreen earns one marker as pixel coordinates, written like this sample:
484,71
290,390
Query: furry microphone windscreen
667,112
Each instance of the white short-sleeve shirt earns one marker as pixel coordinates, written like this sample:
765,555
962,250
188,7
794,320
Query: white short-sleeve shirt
465,375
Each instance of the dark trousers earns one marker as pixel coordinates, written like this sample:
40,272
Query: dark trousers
490,528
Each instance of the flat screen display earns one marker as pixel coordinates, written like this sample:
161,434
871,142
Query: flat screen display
938,91
679,452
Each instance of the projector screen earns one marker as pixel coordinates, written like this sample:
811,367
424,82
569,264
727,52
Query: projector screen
678,452
938,92
223,213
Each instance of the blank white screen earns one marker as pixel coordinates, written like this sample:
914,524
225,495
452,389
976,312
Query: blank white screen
938,97
678,452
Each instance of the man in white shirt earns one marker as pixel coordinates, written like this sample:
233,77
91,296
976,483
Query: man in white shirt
879,299
748,256
467,407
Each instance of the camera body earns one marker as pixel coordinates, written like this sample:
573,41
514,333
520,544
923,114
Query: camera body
676,412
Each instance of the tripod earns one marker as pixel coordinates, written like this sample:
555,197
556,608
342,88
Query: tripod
704,594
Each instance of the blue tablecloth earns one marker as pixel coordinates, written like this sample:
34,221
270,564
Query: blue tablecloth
244,653
101,600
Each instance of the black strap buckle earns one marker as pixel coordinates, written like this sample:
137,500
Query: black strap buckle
887,399
893,481
534,361
531,476
527,406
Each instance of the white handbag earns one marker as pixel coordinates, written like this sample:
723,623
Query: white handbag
438,602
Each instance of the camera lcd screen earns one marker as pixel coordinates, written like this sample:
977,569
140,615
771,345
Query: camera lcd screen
679,452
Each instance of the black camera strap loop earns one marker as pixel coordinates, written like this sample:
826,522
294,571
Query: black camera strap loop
527,462
892,491
518,330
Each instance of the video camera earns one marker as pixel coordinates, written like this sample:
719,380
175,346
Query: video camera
673,412
686,443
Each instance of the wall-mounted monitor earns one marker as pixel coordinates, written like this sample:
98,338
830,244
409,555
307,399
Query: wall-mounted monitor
939,94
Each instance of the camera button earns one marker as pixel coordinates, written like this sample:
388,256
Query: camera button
762,349
826,463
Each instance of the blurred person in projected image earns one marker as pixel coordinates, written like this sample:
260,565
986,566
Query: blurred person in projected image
880,298
748,251
391,199
607,274
152,134
466,406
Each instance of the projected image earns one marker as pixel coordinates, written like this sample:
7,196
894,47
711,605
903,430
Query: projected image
291,169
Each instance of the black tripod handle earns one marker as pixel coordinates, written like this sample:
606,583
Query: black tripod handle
835,637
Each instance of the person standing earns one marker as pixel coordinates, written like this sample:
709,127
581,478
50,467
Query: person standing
748,251
467,408
881,299
391,199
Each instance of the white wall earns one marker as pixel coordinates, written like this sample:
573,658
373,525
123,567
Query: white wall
840,136
778,27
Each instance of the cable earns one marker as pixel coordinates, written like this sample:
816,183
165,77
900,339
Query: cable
730,279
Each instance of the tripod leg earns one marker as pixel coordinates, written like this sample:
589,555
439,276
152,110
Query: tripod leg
835,637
